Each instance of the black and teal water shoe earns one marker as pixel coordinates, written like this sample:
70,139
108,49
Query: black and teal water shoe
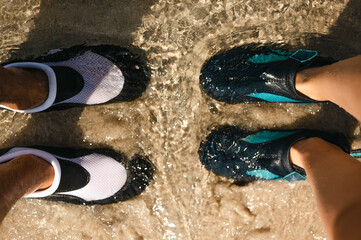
247,156
246,74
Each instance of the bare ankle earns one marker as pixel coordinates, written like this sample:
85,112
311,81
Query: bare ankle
309,83
308,148
41,167
30,173
23,88
21,176
299,150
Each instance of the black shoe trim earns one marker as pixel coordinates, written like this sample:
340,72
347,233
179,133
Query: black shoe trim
73,176
69,83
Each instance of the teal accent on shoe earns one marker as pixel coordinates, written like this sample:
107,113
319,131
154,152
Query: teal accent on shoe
303,103
293,177
279,55
266,136
262,174
304,55
269,97
267,58
356,155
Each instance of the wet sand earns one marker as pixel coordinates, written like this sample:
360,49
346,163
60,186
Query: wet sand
167,123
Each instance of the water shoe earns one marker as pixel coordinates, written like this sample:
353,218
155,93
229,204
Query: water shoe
87,75
247,156
88,176
246,74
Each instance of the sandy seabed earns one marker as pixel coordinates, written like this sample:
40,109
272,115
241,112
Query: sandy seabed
184,201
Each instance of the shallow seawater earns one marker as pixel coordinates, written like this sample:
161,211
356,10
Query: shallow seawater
184,201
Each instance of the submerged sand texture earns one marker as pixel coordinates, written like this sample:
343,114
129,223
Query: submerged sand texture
167,123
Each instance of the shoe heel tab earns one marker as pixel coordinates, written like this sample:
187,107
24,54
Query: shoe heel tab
304,55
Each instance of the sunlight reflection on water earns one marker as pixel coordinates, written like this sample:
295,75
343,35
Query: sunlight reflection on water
168,122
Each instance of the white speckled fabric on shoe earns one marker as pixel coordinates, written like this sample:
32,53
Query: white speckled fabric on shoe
102,79
107,177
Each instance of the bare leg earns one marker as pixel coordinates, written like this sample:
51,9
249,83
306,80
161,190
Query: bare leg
335,179
339,83
334,176
21,176
23,88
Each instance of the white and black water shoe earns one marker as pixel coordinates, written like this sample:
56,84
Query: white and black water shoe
88,176
87,75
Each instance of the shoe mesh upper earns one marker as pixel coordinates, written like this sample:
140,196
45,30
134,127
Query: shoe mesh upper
107,177
102,79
